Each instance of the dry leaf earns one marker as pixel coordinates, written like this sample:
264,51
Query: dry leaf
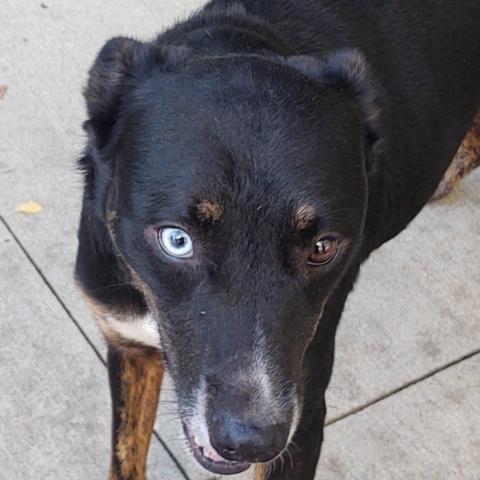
29,207
3,91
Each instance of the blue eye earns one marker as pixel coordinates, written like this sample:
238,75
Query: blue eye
175,242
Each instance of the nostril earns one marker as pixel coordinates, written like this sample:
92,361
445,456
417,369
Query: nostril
247,442
227,445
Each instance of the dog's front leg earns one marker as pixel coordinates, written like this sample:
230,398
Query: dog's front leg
135,380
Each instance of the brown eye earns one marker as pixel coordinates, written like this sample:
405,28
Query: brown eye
324,251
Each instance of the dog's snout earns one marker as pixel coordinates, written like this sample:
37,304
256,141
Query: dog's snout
248,441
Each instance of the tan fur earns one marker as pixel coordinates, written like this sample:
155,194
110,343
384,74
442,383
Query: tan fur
141,380
95,308
142,287
260,472
466,159
100,313
209,211
304,216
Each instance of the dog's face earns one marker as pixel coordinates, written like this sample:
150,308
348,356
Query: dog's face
236,196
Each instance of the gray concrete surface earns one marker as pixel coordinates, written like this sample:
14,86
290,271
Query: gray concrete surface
404,398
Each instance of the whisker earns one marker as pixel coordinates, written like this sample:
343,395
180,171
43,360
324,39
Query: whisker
113,285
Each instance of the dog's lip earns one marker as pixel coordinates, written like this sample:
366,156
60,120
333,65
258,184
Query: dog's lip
218,466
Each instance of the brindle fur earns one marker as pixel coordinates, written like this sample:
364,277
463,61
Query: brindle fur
136,373
465,161
135,378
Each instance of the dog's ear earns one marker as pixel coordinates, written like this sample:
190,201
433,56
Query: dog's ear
119,66
348,70
113,69
118,62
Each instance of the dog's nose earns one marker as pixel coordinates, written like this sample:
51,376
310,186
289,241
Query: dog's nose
251,442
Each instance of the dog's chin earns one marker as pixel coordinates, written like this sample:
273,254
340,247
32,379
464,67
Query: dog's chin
209,459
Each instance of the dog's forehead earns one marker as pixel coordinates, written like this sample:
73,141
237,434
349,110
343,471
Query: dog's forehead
217,133
230,87
187,141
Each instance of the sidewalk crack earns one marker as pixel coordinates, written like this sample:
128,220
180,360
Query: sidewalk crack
405,386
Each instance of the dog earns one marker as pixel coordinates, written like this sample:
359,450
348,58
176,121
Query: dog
238,170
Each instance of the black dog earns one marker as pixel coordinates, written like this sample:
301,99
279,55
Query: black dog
238,171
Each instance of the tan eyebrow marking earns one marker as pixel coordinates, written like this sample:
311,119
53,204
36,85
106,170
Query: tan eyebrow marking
210,211
304,216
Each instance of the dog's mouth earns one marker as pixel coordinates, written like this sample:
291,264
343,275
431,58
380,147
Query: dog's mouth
209,459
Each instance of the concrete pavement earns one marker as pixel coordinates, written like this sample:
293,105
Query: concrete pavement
404,401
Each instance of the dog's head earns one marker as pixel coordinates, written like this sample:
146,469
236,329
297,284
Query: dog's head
234,189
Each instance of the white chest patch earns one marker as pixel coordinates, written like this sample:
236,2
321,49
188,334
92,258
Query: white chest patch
143,330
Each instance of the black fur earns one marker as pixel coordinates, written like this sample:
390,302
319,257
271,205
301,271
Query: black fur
354,108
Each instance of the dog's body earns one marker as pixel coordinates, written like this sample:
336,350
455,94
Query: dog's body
285,140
